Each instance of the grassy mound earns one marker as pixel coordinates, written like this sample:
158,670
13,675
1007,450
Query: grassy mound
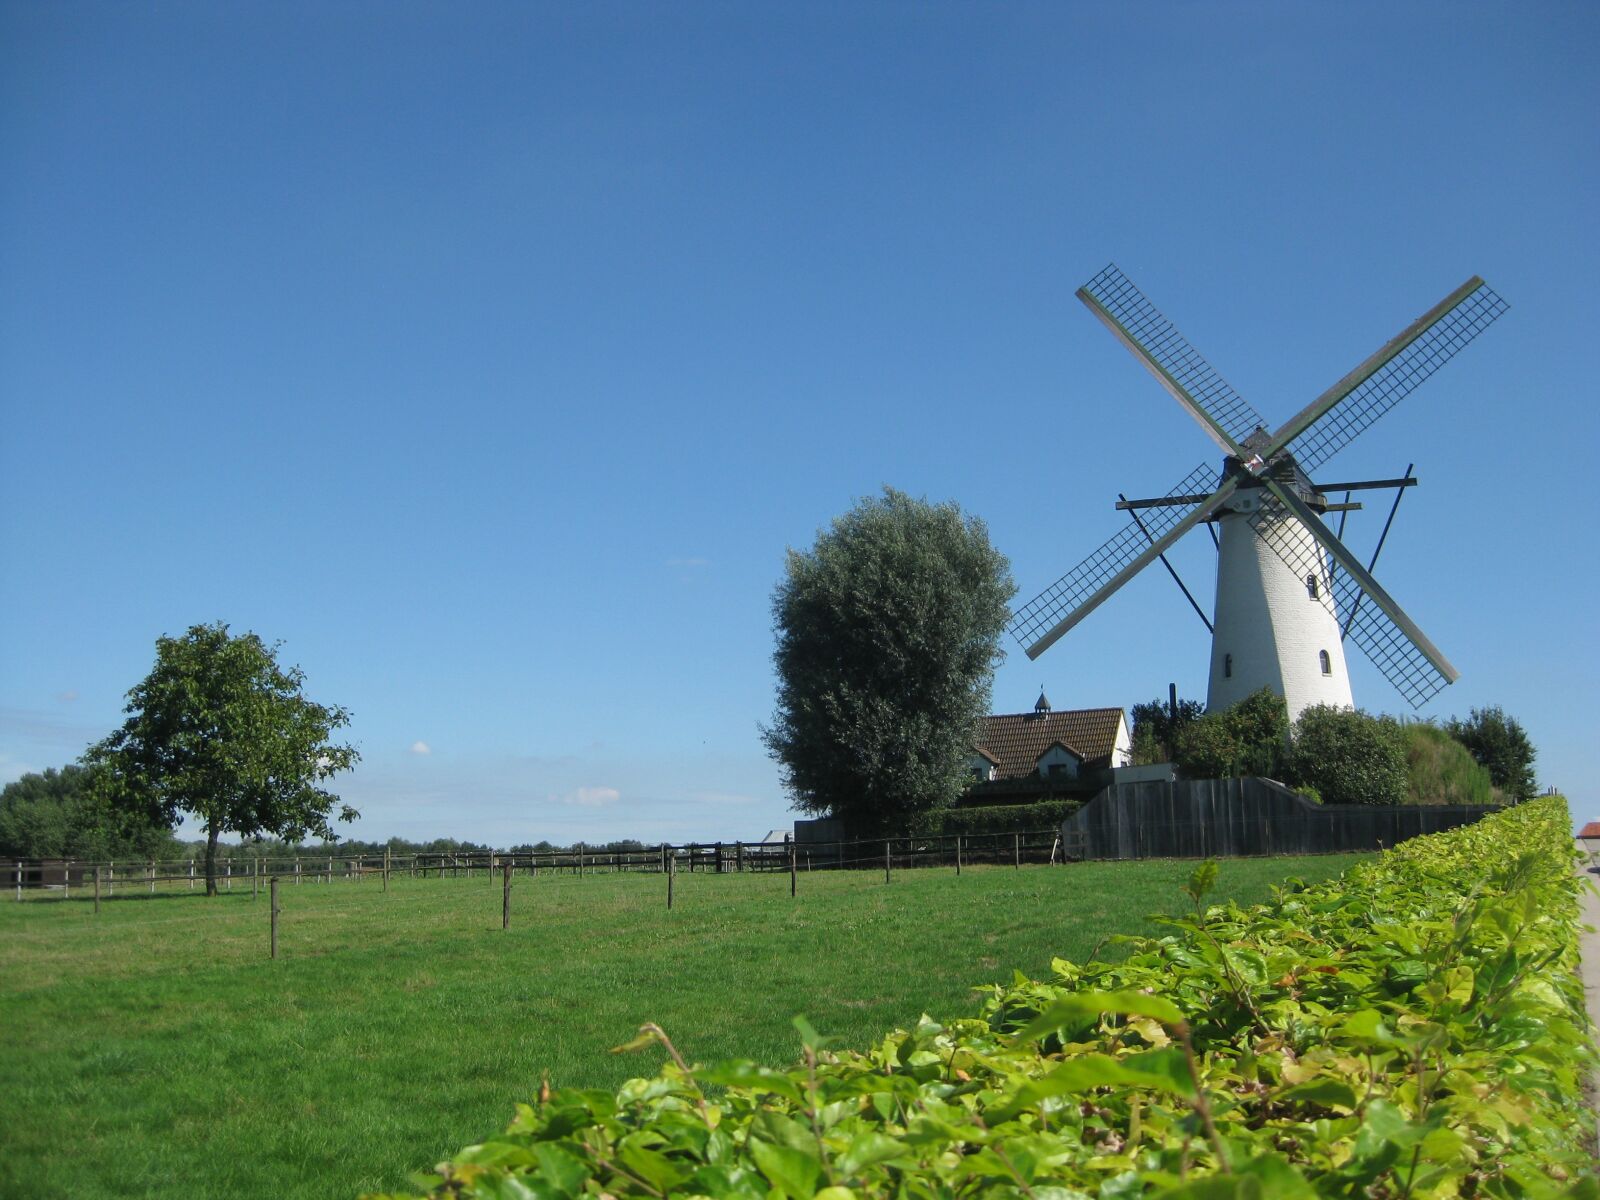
1442,771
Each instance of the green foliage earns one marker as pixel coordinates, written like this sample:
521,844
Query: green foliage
998,818
1348,756
219,731
1415,1029
1156,728
888,632
1247,739
1502,746
55,814
1440,770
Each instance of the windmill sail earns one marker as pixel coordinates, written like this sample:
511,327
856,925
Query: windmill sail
1342,413
1224,414
1077,593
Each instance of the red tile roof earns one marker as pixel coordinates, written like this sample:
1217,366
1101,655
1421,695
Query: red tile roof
1591,830
1014,741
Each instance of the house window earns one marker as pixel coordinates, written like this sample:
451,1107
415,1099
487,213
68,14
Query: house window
1327,663
1311,587
1227,666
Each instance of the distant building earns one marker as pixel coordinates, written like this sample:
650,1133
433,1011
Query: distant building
1045,750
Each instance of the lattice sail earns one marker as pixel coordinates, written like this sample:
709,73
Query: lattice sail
1063,598
1383,389
1182,363
1383,641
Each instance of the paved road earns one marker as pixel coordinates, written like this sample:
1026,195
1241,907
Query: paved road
1589,947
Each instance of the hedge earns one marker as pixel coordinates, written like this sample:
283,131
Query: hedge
1413,1030
999,818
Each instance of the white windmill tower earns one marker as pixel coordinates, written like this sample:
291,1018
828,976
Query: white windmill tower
1288,590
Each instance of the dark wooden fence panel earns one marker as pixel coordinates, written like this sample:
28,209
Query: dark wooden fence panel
1230,818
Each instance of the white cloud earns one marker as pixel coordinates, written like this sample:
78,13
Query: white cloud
67,697
592,797
420,747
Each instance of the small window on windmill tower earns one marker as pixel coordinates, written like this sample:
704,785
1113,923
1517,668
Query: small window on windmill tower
1327,663
1227,666
1311,587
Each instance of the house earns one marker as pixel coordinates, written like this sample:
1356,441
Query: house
1046,750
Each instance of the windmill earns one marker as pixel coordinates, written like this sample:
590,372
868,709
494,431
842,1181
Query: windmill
1288,590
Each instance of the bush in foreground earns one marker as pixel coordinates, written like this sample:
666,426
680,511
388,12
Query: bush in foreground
1415,1029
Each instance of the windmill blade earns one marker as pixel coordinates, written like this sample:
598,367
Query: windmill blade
1334,419
1224,414
1387,636
1040,622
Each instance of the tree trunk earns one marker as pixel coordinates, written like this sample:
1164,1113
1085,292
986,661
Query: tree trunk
211,859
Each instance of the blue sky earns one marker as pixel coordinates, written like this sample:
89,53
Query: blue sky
490,357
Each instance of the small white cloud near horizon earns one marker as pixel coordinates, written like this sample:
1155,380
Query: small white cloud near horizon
695,561
592,797
67,697
421,747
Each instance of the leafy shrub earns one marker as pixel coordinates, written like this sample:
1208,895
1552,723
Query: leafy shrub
1502,746
1414,1029
1248,739
1348,756
1156,728
1440,770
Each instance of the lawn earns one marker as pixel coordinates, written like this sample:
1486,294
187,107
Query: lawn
155,1050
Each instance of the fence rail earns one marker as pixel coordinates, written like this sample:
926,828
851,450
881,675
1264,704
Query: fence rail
235,871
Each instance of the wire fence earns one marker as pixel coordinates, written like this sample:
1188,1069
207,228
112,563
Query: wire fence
64,878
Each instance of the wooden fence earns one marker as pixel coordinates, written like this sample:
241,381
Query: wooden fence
112,878
1231,818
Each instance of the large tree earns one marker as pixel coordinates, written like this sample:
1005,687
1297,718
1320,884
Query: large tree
219,731
888,633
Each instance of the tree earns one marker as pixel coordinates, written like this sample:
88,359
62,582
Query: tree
56,814
888,633
1502,746
1349,756
1249,738
219,731
1156,728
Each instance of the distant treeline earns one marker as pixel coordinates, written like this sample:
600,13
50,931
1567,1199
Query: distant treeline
55,814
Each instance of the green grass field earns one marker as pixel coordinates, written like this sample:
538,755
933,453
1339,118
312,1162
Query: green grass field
154,1050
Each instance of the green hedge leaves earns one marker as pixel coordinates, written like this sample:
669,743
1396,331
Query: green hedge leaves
1415,1029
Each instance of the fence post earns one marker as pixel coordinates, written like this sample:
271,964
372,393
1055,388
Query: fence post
255,878
886,862
297,872
738,855
273,888
227,871
672,876
329,878
580,860
191,874
793,876
958,854
66,880
97,891
505,898
111,879
152,877
19,881
1016,850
